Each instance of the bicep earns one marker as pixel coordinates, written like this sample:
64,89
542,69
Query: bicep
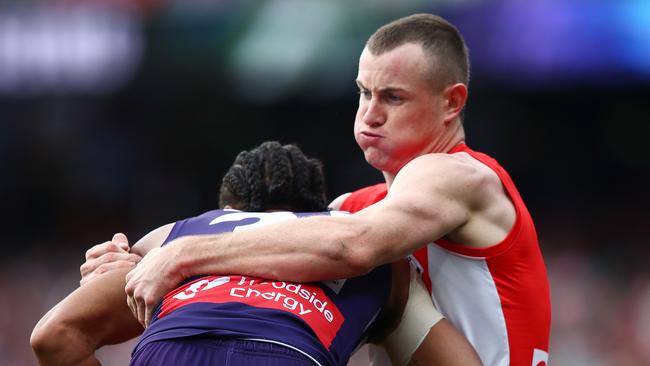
417,210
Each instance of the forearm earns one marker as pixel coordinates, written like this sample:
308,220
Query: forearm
92,316
302,250
445,345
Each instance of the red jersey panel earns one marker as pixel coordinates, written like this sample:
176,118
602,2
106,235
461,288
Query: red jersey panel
304,300
499,296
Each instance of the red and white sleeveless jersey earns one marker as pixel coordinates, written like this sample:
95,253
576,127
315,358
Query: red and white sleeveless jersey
498,296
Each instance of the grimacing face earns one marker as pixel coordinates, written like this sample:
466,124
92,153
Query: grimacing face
400,117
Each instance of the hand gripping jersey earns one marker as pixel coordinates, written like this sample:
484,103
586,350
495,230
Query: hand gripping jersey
498,296
326,321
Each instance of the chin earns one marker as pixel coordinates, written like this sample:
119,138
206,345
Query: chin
376,160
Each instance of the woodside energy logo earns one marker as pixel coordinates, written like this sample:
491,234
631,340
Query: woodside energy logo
305,300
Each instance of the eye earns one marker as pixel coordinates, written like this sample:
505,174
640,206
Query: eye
364,93
393,98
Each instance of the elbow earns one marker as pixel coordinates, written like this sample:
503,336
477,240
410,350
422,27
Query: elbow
46,340
38,341
54,343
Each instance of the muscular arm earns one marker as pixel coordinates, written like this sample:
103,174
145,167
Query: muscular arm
94,315
337,247
433,196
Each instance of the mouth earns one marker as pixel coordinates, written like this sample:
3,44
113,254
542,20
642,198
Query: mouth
367,139
370,134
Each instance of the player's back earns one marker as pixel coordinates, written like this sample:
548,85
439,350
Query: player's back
325,321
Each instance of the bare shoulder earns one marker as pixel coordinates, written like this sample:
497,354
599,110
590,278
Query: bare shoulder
153,239
338,201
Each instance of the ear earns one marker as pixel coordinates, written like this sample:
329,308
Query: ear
456,97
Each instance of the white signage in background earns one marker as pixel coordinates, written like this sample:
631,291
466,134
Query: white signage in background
48,50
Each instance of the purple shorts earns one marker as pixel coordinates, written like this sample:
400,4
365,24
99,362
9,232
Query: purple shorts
214,351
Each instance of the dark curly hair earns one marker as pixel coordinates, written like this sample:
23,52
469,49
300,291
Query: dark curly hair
274,176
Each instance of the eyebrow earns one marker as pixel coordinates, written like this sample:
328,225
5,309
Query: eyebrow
387,89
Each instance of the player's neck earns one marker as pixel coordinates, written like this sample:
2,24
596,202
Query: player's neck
388,177
451,139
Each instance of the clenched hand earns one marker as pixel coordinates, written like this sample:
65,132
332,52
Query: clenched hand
107,256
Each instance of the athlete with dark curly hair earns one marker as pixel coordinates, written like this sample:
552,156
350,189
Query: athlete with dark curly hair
234,319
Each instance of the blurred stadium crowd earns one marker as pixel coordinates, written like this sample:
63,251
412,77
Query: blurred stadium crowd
122,115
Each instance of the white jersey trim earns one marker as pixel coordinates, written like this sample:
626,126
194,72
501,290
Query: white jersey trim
464,290
285,345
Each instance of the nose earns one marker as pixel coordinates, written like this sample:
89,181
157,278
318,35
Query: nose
372,113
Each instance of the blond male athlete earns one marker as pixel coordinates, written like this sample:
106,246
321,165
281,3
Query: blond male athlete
483,258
